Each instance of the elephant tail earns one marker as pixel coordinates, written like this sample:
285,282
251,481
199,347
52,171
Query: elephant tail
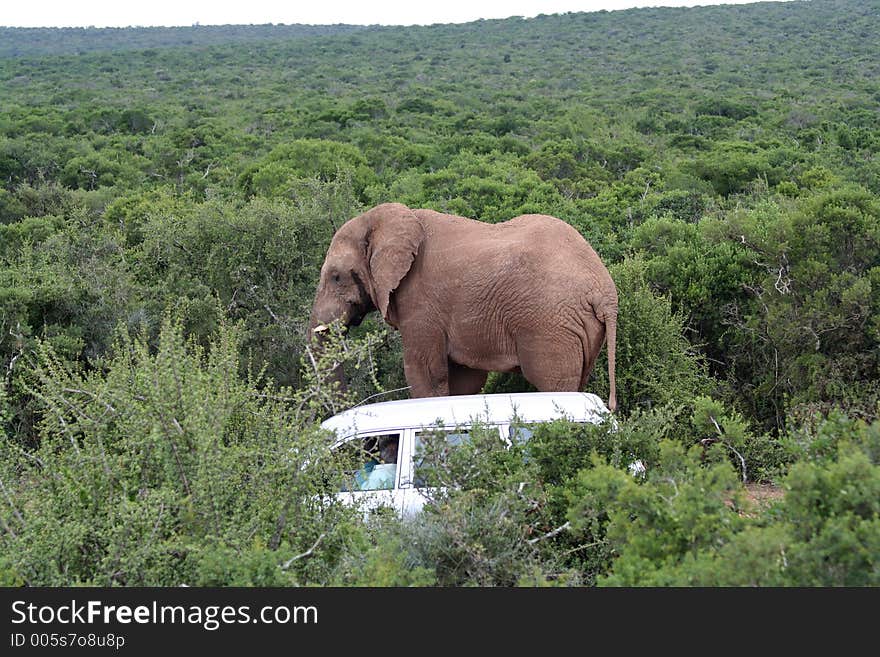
611,341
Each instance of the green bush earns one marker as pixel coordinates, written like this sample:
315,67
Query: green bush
757,457
702,275
686,523
656,364
561,448
732,166
167,468
487,520
826,531
279,172
384,556
492,187
654,526
805,334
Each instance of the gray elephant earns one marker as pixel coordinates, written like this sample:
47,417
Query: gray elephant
470,298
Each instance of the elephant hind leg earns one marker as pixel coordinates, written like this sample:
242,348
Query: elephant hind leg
553,368
465,380
593,341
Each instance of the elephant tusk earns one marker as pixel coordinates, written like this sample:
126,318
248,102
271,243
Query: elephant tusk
320,328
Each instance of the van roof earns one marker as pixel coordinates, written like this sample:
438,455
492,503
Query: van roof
464,409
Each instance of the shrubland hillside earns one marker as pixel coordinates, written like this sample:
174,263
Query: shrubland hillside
166,199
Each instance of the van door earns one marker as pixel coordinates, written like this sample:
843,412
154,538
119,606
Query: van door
418,492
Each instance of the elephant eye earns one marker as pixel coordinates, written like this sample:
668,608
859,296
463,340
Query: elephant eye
335,277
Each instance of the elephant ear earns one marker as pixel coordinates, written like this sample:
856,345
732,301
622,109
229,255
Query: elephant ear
394,242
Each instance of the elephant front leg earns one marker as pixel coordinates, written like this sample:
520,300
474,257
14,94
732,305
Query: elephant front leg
426,367
465,380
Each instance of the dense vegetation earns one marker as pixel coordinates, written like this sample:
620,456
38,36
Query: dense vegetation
166,199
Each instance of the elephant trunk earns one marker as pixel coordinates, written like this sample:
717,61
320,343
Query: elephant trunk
318,337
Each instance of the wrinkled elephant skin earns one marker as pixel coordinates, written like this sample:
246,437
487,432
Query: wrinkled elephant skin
469,298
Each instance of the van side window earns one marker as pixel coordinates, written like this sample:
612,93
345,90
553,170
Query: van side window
432,449
520,433
375,460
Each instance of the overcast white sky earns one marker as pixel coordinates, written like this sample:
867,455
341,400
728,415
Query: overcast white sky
123,13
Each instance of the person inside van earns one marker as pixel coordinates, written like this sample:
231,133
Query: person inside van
381,476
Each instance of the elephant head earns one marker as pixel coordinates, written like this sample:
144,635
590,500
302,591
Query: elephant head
366,261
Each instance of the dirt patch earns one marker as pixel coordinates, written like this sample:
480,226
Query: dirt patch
760,496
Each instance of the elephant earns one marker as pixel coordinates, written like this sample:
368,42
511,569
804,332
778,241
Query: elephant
526,295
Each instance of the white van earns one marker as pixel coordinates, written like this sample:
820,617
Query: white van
387,435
